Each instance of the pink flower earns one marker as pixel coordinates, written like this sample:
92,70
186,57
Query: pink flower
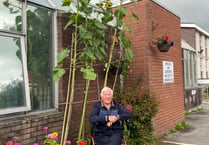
128,107
35,144
50,136
131,70
119,52
17,144
68,142
46,128
10,143
15,137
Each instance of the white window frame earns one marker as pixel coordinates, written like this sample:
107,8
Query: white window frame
25,76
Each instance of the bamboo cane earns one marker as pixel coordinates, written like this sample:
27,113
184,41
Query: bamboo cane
67,97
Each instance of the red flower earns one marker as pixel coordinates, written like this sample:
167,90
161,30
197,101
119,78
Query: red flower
82,142
90,135
10,143
166,38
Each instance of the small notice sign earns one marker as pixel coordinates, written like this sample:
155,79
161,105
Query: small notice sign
168,76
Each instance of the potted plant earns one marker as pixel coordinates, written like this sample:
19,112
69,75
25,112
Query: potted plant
163,43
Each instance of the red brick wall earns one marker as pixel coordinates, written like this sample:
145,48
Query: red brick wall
147,62
29,128
188,34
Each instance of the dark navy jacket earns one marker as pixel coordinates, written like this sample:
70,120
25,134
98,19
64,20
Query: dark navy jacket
98,118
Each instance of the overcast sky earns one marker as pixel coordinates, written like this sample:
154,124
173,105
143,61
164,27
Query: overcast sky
192,11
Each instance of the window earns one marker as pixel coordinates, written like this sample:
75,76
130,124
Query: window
190,68
26,82
10,18
13,86
39,56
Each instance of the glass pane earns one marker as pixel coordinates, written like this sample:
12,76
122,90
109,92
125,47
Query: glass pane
39,57
11,74
186,68
42,2
11,15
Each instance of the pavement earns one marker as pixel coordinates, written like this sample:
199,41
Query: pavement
197,133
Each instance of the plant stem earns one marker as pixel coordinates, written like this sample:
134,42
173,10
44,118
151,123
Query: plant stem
67,97
110,58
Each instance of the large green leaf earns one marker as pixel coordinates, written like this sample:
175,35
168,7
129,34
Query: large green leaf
135,18
90,53
85,2
107,19
62,54
100,25
128,54
100,56
127,28
66,2
120,12
88,73
58,73
70,22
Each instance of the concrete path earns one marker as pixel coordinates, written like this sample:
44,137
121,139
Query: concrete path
197,133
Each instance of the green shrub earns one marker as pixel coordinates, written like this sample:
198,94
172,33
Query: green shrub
144,108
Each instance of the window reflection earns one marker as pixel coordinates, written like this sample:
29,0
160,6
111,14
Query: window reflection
189,69
11,74
39,57
11,15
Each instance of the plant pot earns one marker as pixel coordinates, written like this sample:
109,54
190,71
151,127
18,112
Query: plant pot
163,47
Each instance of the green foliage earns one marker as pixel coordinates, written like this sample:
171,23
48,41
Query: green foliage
58,73
172,130
179,126
50,142
187,113
193,110
199,108
144,108
206,92
62,54
11,94
184,123
90,44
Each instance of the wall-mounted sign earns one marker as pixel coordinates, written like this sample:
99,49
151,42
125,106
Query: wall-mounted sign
168,75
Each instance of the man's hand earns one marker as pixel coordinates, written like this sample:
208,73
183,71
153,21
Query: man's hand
113,119
109,124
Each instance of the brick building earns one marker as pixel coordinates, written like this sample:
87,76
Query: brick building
148,61
44,99
195,63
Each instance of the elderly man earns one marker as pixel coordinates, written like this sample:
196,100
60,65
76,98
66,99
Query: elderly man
105,117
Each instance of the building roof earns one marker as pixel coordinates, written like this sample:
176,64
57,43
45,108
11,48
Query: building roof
185,45
192,25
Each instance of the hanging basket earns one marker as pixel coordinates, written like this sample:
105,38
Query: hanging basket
163,47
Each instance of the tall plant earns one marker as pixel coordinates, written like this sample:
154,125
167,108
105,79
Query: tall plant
90,31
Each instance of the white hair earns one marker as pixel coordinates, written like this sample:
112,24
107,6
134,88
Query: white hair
106,89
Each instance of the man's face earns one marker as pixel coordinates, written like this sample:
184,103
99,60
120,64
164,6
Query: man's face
107,97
